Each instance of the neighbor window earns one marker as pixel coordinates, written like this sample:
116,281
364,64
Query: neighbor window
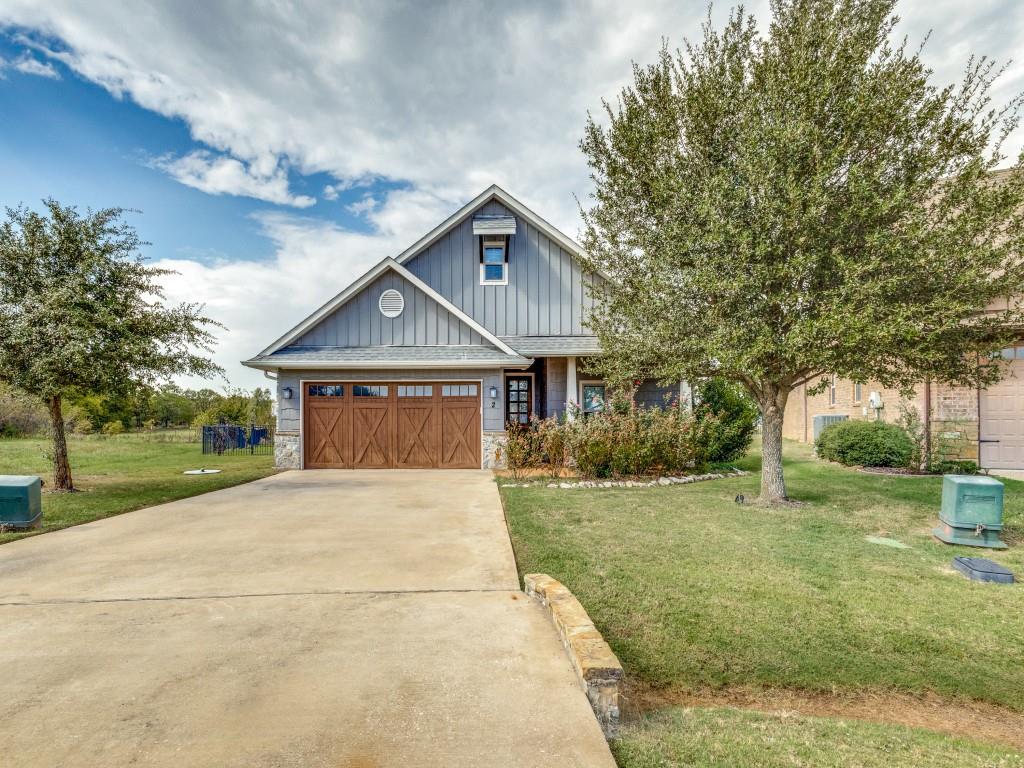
856,392
494,261
832,391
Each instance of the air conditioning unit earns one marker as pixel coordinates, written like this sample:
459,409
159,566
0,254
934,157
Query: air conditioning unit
823,420
875,400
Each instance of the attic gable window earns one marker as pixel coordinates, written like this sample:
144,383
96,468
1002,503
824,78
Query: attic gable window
494,231
494,260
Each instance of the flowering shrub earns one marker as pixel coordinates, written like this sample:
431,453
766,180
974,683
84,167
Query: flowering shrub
616,443
523,448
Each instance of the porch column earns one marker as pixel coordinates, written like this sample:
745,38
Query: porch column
570,385
686,394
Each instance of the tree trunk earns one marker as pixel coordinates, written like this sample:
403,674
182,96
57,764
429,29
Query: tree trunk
61,467
773,410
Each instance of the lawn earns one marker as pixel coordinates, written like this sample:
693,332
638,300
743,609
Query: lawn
123,472
701,738
697,593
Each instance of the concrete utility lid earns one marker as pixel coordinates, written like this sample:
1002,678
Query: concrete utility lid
982,569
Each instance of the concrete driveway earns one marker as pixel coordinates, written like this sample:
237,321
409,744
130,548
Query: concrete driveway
331,618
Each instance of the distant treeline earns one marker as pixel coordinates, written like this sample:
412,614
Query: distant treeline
145,408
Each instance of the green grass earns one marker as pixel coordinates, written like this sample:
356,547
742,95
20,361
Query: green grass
121,473
693,591
729,738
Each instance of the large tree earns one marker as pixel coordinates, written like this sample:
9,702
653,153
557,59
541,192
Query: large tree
82,314
773,207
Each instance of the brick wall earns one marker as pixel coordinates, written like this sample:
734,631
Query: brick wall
954,413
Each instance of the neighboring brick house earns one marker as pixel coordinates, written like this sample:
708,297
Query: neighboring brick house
982,425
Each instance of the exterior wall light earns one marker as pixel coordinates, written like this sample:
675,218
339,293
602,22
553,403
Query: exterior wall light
286,393
493,392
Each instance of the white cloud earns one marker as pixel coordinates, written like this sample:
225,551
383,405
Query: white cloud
259,300
28,65
444,98
220,175
366,205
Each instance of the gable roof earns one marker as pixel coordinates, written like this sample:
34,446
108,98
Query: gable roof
353,290
493,192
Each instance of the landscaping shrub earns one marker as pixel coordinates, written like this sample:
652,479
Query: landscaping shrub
955,467
615,443
865,444
552,434
113,428
730,434
523,448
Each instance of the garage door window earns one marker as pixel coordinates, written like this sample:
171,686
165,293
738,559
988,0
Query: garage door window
458,390
326,390
419,390
370,390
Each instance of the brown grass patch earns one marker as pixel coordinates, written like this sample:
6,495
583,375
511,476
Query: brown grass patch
969,719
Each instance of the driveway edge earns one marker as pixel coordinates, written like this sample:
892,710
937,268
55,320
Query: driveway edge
597,668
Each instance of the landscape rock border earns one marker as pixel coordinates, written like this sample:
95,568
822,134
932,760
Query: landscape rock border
597,668
665,480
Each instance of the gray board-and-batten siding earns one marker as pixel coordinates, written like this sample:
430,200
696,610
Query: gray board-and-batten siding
548,293
360,323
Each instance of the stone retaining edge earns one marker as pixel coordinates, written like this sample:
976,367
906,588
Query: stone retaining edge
597,667
646,483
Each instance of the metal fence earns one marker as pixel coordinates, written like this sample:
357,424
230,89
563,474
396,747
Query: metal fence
237,438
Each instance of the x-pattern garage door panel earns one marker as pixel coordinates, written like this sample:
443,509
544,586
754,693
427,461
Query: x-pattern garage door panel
417,435
327,435
371,435
379,425
460,436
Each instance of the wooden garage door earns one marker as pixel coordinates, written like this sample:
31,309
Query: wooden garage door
1001,412
377,425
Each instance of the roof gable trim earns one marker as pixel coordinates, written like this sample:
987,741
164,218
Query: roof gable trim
493,192
352,290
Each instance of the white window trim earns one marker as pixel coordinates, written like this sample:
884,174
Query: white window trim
493,241
504,274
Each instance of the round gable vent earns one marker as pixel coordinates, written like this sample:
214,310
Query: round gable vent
391,303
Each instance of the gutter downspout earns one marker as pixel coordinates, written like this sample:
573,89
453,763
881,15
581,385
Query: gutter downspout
805,412
927,420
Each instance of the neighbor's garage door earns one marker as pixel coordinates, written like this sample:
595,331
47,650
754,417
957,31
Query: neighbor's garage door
379,425
1002,418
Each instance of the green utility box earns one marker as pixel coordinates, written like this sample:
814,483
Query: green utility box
972,511
21,501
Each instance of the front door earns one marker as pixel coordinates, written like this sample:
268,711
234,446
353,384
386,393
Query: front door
518,399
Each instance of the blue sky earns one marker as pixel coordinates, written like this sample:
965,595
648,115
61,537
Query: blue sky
278,151
68,138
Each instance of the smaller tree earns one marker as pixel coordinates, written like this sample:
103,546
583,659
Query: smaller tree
82,314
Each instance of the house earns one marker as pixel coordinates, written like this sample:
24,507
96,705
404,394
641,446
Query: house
423,360
958,423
